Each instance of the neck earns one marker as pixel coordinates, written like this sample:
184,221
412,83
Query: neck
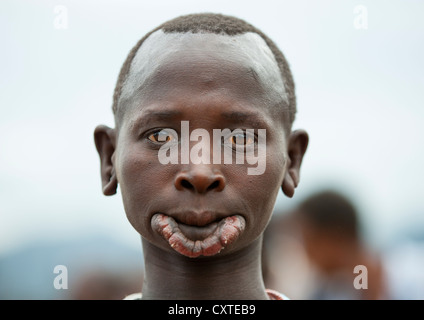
173,276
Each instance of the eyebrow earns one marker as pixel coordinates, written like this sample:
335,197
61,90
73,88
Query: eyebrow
148,116
237,117
251,118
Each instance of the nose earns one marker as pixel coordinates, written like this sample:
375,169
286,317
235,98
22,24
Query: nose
200,179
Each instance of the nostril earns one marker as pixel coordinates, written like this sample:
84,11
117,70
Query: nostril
214,185
186,184
199,182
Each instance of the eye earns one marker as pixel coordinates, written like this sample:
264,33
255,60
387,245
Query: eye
241,139
162,136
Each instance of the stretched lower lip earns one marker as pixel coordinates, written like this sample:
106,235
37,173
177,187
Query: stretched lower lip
193,241
197,233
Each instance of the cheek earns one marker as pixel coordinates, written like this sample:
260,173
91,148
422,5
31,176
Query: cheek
261,191
140,179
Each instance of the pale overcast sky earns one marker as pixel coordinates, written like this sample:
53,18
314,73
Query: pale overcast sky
360,97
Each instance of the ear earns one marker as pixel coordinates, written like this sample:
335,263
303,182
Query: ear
104,138
298,142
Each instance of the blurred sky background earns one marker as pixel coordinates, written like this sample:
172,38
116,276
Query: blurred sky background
360,97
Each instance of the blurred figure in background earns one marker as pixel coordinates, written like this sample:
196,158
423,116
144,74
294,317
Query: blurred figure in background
106,285
330,230
322,240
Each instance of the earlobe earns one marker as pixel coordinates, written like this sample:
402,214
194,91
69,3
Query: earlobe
297,145
109,188
288,186
104,138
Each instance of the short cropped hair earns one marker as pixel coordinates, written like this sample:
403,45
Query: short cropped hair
330,211
218,24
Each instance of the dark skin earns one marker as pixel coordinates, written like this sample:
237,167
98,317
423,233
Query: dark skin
210,82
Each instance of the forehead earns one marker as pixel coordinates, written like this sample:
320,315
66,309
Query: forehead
242,65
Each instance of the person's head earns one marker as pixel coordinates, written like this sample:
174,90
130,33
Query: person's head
330,227
215,72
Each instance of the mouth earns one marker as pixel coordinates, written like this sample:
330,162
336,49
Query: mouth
194,238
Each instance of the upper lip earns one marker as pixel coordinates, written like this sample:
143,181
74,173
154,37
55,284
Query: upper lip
197,218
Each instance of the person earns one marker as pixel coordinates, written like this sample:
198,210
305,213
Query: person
201,216
330,229
102,284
